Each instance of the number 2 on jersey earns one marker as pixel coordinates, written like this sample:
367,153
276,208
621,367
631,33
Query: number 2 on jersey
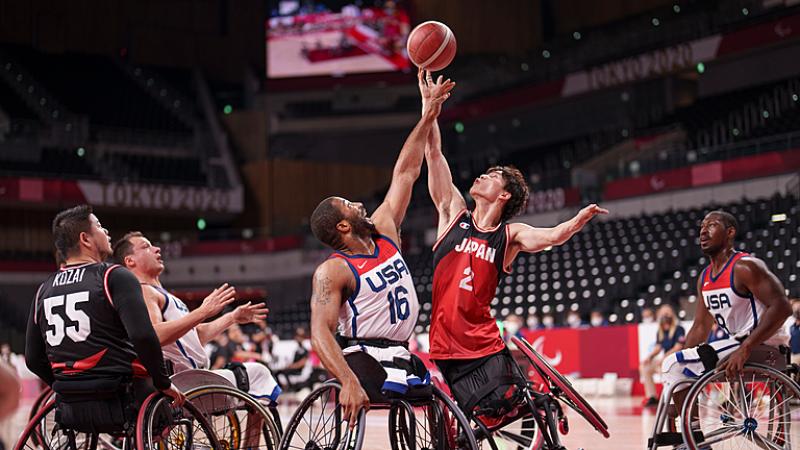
79,332
398,305
466,282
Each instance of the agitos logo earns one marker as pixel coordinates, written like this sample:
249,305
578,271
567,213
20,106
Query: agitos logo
538,345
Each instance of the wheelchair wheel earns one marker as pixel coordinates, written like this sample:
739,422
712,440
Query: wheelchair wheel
317,423
561,387
161,426
756,409
432,424
42,432
521,433
238,420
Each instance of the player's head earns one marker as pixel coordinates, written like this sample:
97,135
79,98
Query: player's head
336,218
504,184
135,252
717,232
77,231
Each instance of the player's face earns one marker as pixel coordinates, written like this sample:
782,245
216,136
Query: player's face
146,256
99,236
489,186
356,214
713,235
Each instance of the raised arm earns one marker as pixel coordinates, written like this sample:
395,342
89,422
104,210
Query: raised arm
751,276
525,238
390,213
246,313
446,197
331,279
171,330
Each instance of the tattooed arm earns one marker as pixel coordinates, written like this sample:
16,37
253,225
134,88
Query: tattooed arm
331,279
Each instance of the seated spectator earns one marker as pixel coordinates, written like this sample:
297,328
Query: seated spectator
648,316
548,322
296,375
574,320
669,339
598,319
794,332
532,322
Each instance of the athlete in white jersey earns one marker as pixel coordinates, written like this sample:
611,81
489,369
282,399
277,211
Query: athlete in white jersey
183,334
364,290
738,293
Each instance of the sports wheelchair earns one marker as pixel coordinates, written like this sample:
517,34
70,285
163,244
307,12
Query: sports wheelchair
437,423
758,408
538,418
227,419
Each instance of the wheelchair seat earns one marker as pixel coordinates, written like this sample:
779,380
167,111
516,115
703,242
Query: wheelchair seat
101,405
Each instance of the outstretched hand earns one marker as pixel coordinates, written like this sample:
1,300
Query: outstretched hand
248,313
434,93
588,213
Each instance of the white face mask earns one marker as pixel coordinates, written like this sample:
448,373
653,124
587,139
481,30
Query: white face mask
547,321
574,320
597,321
647,319
512,327
533,323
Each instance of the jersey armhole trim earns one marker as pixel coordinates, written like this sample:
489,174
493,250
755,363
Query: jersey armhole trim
507,268
389,240
36,304
105,283
733,286
351,299
449,228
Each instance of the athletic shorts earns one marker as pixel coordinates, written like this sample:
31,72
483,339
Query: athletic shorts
469,378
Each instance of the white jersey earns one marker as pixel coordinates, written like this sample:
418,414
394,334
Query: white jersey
734,312
187,352
384,304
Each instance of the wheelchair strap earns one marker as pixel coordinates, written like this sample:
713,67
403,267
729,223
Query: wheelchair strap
345,342
488,388
708,356
240,374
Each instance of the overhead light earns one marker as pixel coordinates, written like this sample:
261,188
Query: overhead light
779,217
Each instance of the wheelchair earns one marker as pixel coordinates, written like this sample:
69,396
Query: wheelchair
758,408
538,418
236,419
100,414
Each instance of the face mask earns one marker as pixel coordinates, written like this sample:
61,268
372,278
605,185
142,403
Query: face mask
597,321
512,327
533,323
647,319
574,320
547,321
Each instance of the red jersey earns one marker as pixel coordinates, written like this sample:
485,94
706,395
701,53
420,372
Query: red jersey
467,266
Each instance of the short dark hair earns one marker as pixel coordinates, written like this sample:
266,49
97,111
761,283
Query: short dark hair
727,219
516,186
324,220
67,228
124,247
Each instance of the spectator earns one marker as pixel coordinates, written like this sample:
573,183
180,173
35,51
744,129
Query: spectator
574,320
532,322
293,376
597,319
244,349
9,390
548,322
222,351
648,316
669,339
512,326
717,333
794,332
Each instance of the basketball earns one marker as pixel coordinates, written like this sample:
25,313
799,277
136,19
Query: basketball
431,46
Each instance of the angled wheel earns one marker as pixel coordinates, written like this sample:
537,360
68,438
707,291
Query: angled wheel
431,424
317,423
238,420
755,410
560,387
161,426
42,432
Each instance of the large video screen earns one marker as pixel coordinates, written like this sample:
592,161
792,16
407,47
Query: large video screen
328,37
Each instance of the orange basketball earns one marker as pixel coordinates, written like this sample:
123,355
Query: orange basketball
431,45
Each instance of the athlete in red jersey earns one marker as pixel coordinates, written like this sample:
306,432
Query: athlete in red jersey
473,249
365,290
